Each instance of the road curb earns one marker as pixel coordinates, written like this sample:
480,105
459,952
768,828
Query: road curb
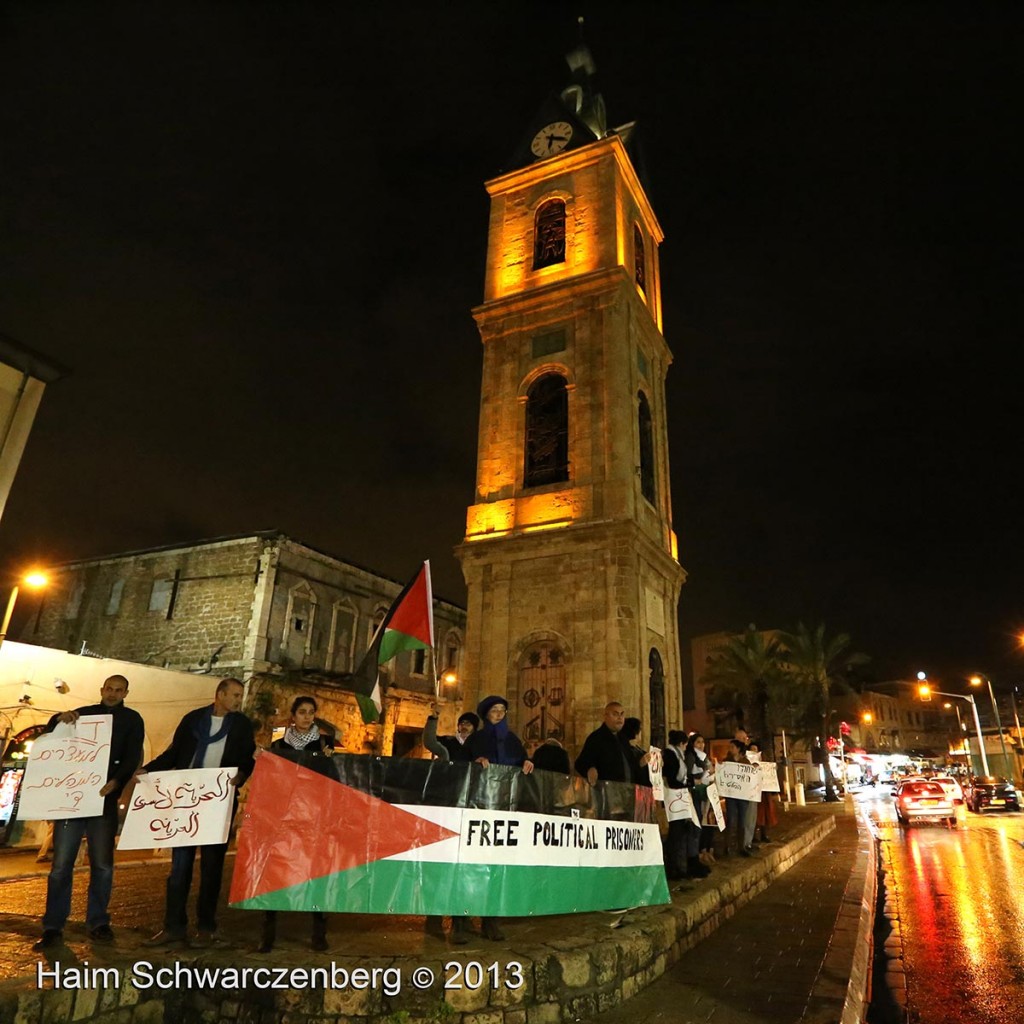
842,990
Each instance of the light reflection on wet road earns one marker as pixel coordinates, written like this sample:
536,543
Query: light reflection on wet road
960,913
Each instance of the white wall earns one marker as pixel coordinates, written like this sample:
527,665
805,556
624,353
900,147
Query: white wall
159,695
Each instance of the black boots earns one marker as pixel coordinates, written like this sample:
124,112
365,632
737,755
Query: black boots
491,930
319,939
695,869
269,933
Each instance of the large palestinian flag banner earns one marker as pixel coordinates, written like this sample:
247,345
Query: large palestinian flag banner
397,836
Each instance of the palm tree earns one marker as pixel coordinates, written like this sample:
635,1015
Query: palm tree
745,677
817,669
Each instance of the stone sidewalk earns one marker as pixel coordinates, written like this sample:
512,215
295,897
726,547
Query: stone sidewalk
785,957
569,967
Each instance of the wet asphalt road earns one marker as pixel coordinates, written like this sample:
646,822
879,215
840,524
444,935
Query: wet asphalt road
958,898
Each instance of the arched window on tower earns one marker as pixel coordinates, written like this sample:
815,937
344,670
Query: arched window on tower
547,431
646,447
639,259
549,234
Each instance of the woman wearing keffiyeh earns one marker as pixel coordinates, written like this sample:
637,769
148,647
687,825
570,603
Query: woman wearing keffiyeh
302,734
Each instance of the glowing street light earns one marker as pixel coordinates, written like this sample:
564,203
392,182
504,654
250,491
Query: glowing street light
34,581
925,692
977,681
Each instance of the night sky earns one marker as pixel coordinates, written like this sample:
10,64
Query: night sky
254,233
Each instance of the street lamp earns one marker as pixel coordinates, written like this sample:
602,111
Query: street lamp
925,692
32,580
963,739
977,681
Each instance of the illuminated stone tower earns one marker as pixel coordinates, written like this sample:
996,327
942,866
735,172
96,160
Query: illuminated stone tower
569,555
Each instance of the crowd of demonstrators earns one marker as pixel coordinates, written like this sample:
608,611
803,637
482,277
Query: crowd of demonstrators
126,740
220,735
305,735
216,736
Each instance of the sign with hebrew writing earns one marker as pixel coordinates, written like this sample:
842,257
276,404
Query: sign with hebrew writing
769,777
66,770
737,781
183,808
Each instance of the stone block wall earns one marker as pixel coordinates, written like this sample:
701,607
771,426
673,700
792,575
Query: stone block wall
105,605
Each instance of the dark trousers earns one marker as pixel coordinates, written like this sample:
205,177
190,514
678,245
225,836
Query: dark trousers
99,835
179,882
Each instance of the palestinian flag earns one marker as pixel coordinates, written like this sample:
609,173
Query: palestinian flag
408,626
326,841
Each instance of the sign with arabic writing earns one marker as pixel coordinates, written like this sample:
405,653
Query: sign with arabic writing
183,808
66,770
738,781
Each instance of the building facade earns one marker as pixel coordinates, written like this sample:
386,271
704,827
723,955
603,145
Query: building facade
259,606
569,555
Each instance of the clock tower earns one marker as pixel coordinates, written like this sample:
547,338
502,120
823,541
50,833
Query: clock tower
569,556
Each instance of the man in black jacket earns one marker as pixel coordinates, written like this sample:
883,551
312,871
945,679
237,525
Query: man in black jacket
126,738
603,755
216,736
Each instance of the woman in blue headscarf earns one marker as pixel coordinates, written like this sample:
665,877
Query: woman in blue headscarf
494,742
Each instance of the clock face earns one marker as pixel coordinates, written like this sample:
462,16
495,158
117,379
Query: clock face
551,139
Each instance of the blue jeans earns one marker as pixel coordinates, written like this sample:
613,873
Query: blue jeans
179,882
67,838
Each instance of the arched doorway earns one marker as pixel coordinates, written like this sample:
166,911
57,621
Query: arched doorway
657,694
542,689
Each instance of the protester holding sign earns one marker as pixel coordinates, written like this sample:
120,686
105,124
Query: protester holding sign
216,736
699,771
682,851
738,813
126,739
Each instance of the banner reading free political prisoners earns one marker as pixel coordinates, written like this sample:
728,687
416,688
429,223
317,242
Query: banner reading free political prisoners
404,836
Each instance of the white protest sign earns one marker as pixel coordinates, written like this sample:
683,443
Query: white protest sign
66,770
739,781
654,769
182,808
769,777
679,805
713,813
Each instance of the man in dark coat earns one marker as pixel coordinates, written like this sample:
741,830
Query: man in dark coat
216,736
603,756
126,738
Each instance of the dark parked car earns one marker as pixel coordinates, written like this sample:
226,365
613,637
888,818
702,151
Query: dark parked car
990,792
